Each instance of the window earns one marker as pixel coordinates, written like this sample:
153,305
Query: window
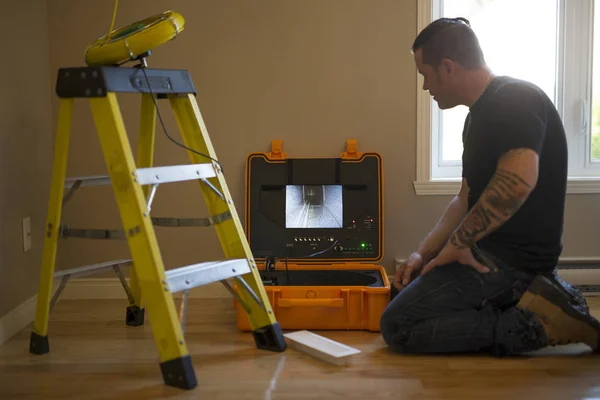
552,43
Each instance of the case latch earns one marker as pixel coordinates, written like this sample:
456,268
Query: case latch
277,150
351,150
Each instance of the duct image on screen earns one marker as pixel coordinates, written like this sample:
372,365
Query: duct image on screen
313,206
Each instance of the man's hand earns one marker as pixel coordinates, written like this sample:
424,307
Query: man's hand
404,272
435,240
455,252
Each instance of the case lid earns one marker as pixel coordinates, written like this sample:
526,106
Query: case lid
315,210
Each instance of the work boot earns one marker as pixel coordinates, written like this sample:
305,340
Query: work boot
563,322
576,297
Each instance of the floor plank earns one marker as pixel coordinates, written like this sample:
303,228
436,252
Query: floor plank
95,356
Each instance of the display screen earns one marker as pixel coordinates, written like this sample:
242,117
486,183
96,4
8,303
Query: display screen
313,206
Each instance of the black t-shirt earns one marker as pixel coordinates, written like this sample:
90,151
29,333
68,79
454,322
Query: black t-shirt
513,114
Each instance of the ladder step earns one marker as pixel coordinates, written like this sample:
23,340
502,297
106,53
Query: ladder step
93,268
174,173
191,276
95,180
154,175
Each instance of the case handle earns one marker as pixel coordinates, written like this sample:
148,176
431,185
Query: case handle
277,152
351,150
336,303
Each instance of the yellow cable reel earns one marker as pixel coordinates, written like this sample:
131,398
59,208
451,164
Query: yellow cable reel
135,39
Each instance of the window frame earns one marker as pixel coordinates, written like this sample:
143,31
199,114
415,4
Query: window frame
573,103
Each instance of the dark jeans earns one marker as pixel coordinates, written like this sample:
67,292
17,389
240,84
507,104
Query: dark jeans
455,309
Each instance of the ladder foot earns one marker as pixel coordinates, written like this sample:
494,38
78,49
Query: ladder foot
179,373
270,338
135,316
38,344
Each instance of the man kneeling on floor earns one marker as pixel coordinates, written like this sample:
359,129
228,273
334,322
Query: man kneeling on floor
484,279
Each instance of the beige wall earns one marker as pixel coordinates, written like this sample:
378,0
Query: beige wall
313,74
25,145
310,73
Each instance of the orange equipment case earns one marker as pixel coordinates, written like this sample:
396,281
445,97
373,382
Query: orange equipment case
315,228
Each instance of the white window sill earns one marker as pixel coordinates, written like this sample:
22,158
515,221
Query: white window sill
578,185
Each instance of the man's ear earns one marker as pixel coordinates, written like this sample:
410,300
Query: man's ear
447,67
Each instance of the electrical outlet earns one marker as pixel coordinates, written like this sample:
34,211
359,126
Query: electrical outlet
26,234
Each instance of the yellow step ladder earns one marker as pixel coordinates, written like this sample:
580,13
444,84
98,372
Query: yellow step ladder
151,286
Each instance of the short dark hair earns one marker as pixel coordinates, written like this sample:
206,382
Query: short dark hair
450,38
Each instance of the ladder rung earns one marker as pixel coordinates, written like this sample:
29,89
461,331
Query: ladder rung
93,268
204,273
95,180
174,173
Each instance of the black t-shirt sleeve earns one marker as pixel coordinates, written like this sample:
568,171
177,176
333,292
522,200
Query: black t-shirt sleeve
518,119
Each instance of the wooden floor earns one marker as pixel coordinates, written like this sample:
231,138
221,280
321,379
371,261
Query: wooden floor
95,356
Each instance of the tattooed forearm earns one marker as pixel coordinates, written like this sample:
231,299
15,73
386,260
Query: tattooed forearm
505,193
477,222
502,198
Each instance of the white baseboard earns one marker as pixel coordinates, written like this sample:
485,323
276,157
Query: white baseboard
18,318
580,276
110,288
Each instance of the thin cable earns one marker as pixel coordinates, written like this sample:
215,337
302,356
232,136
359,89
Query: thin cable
143,68
112,24
308,256
321,252
313,254
287,273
